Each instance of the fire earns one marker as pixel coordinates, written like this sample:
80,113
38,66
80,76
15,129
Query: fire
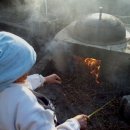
94,67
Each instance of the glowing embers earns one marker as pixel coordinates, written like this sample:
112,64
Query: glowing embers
94,67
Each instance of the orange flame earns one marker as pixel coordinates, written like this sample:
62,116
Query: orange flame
94,67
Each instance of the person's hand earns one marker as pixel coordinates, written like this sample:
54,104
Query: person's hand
82,119
52,79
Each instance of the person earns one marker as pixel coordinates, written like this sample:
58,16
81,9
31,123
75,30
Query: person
19,107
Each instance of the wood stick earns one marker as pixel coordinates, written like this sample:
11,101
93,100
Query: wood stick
99,109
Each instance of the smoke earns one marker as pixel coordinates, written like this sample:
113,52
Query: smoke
35,9
65,11
68,10
60,53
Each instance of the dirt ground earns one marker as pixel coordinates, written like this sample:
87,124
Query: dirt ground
79,93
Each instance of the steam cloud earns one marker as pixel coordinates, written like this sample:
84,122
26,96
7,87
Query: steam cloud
60,52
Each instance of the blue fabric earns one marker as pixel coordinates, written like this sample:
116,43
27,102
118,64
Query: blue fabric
16,58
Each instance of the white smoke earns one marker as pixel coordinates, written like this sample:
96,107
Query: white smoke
60,52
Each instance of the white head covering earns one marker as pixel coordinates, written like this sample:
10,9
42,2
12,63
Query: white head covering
16,58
